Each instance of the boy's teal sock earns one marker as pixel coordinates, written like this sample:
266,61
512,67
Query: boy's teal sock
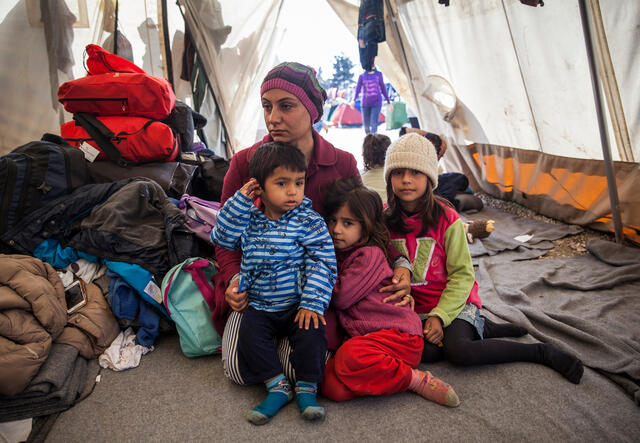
306,399
279,394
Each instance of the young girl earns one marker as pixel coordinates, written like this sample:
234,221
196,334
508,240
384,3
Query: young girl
385,344
432,236
374,148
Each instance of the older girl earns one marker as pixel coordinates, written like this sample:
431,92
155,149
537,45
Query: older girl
432,236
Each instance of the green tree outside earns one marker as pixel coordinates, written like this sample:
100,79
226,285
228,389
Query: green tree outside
342,75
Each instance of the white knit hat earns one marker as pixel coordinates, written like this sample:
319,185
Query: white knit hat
412,151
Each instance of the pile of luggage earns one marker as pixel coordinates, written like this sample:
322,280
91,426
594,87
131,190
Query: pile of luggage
126,191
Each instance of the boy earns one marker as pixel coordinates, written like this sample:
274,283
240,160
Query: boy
288,269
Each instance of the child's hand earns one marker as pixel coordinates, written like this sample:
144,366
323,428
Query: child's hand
305,316
238,301
251,189
401,285
432,330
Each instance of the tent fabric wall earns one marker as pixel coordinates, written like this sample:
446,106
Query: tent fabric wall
527,71
521,78
236,64
27,110
568,189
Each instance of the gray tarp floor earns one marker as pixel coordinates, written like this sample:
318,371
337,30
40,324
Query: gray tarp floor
588,305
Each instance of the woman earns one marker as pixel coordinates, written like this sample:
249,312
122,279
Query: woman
292,101
372,85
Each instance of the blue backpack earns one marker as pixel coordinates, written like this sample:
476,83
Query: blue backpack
188,296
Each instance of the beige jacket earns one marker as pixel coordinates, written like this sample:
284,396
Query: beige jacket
374,180
32,315
92,328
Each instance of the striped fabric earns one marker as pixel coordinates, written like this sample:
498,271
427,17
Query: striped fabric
299,80
284,262
229,359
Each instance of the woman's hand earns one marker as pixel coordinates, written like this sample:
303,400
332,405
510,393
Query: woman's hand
251,189
305,316
238,301
407,300
400,285
432,330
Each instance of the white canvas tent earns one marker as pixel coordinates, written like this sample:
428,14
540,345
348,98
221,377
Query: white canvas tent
508,84
28,48
517,99
522,125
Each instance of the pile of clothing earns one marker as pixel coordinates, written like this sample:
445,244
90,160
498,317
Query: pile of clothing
102,229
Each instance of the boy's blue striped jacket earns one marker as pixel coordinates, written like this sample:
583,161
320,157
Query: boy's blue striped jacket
284,262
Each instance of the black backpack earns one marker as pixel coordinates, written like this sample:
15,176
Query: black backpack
184,121
34,174
209,178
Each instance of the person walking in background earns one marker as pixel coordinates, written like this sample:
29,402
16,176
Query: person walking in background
372,86
374,148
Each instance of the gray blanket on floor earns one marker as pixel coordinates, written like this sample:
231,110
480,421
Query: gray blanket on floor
56,386
502,240
587,305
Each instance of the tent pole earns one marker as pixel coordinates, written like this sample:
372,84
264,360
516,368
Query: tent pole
604,138
405,63
115,32
167,43
215,100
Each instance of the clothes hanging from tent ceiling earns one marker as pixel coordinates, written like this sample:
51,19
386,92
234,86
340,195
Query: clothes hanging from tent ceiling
59,22
211,14
188,56
58,30
370,31
124,48
192,71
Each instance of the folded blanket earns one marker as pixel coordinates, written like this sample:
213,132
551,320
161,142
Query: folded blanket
49,392
587,305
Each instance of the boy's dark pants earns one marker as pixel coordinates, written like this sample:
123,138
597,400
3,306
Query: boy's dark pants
257,340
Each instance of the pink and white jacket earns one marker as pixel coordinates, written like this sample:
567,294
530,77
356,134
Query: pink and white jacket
443,279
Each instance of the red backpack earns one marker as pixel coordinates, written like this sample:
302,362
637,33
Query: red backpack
115,93
136,139
100,61
116,109
115,86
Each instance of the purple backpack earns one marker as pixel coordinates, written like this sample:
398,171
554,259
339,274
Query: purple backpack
201,215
